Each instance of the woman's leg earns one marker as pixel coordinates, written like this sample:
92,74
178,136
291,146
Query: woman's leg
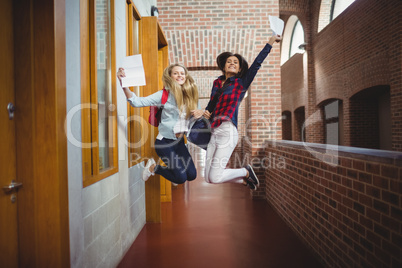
178,166
187,161
220,148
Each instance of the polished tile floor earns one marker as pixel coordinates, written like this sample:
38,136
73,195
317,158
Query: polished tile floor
217,226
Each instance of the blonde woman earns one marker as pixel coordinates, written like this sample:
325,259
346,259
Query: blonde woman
169,144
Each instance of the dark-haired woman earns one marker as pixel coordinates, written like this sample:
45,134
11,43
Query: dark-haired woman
236,78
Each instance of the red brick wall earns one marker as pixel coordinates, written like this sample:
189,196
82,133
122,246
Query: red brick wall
294,93
346,59
197,31
348,211
360,49
395,67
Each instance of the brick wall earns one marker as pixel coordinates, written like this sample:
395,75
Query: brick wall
294,93
197,31
395,67
360,49
204,80
325,11
345,203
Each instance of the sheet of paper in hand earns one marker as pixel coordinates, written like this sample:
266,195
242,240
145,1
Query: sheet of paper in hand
134,70
276,25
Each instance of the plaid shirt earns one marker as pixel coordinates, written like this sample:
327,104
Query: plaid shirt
227,107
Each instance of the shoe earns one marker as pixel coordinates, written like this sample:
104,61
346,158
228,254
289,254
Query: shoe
147,173
250,185
251,176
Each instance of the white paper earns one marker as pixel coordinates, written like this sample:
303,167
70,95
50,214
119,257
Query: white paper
134,70
276,25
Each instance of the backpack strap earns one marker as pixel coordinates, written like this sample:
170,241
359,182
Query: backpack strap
165,95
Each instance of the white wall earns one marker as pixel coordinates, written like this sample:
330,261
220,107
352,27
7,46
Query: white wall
105,217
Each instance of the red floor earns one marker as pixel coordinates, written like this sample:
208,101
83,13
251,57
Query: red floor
217,226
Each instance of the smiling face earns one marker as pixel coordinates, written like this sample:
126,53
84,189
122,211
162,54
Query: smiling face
178,74
232,66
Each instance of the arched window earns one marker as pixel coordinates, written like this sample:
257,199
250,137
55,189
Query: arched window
330,9
297,39
338,6
293,37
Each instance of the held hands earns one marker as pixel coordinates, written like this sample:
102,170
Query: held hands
207,114
197,113
275,38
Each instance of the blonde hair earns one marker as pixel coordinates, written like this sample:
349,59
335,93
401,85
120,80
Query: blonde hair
186,94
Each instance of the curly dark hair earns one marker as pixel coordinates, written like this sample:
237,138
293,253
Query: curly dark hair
221,61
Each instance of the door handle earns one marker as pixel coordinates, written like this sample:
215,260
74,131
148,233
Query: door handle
12,186
11,110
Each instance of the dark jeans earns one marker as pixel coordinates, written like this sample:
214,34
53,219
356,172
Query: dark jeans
179,164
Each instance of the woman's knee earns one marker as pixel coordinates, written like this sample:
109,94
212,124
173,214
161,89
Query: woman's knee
180,179
183,176
213,177
192,174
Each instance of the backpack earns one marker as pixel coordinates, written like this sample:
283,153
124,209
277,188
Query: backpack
155,112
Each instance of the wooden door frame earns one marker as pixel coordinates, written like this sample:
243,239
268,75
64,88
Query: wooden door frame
153,41
40,86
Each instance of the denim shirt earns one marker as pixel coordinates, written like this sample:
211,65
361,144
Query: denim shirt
170,113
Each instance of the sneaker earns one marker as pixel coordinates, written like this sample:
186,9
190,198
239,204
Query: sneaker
251,176
147,173
250,185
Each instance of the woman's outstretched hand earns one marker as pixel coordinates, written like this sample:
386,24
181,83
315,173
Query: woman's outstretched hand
274,38
120,75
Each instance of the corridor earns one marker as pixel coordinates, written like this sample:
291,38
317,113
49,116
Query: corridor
217,226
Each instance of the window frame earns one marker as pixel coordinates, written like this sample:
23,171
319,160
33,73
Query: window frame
89,102
333,5
331,14
287,41
133,133
328,120
292,37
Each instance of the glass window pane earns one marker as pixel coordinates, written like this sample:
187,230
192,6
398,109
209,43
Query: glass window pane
104,86
297,39
340,6
135,113
332,110
136,39
332,130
